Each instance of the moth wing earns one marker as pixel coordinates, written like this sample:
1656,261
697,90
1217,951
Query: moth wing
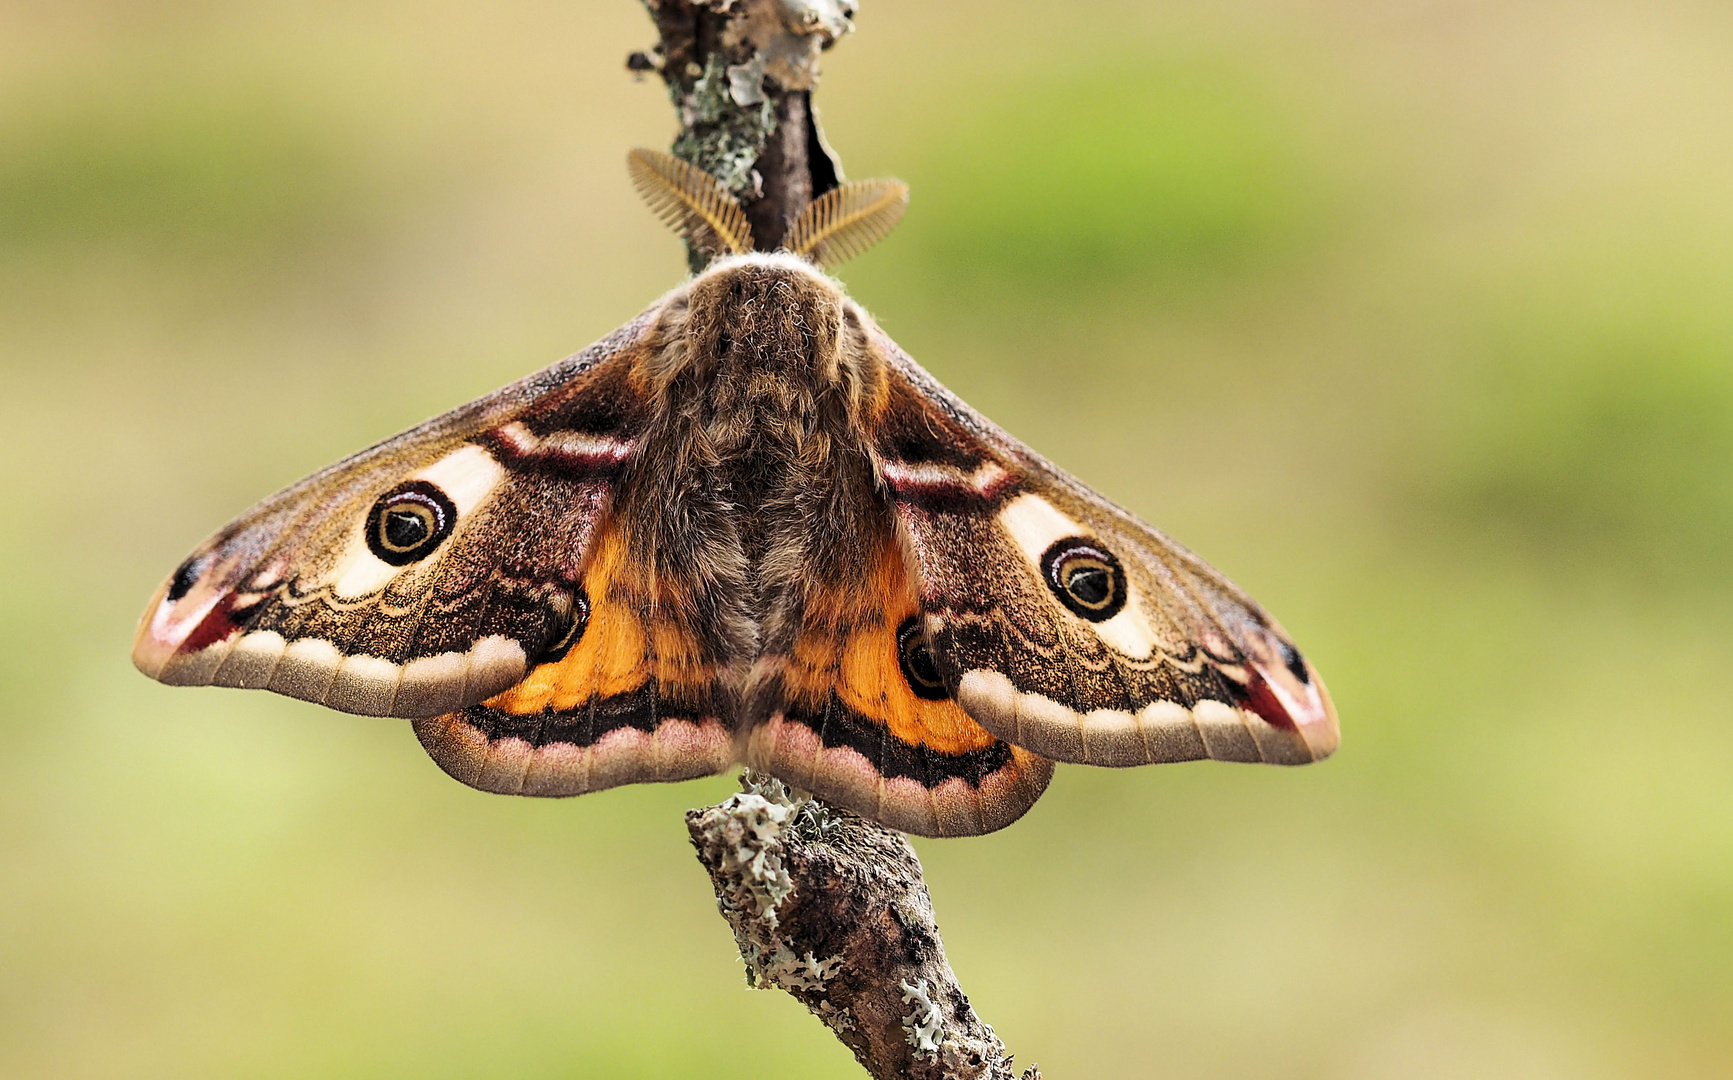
422,575
638,696
1065,625
838,715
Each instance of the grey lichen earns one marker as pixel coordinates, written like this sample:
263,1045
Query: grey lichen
720,133
838,1020
742,839
724,98
923,1026
784,969
746,82
752,829
788,35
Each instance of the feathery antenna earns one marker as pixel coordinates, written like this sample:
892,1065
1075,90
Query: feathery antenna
846,221
691,202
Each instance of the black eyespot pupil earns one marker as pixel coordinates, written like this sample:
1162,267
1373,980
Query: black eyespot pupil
1296,664
405,528
921,666
1092,585
578,620
184,580
409,522
1085,578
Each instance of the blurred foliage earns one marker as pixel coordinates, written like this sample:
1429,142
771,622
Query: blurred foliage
1605,444
1413,319
196,171
1122,173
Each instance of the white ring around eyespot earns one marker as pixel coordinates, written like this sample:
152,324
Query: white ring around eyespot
467,476
1034,524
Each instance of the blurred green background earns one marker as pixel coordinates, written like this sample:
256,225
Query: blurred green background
1417,319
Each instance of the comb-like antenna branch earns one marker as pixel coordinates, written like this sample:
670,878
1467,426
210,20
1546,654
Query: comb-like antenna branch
846,221
691,202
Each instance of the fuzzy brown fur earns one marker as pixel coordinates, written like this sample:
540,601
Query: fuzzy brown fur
754,493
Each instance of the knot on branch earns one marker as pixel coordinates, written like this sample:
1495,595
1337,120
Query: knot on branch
831,908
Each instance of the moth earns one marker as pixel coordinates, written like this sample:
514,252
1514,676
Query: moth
743,528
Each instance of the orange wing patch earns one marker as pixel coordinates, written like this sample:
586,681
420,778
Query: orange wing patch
851,729
616,654
632,700
849,645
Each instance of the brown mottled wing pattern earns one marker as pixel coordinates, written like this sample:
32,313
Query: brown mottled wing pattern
441,569
1062,623
636,697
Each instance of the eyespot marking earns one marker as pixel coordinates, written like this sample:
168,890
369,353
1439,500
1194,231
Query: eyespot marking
185,577
1086,577
409,522
1296,663
919,668
579,620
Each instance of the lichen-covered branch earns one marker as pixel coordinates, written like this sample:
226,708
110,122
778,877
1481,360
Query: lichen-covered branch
831,907
741,74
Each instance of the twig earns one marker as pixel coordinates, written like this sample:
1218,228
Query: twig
741,73
824,904
830,907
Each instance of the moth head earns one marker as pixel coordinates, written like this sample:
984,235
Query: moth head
773,314
835,227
